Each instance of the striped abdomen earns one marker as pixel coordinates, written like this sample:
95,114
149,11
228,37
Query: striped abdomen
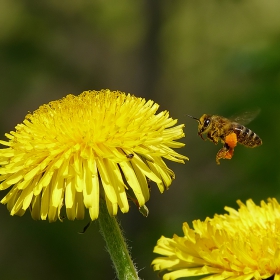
246,136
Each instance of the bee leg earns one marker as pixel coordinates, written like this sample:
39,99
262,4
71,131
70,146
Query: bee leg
201,136
226,152
212,138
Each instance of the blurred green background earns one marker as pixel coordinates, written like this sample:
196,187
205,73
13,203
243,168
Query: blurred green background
191,57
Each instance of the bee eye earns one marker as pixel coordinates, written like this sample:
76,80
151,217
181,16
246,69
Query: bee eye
206,122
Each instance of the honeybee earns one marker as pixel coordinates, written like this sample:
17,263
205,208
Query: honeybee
228,131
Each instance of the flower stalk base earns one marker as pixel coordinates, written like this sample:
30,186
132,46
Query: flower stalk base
116,246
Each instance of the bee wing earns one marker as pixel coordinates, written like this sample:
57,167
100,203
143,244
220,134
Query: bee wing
245,117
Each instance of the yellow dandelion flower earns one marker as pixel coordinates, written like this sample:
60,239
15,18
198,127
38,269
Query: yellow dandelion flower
243,245
73,151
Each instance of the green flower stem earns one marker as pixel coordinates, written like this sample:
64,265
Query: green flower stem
116,245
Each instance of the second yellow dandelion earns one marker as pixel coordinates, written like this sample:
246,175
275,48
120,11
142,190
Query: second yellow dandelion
243,244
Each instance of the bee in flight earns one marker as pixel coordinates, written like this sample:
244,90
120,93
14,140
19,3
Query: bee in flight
229,132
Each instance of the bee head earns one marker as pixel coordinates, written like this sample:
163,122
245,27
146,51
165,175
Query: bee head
204,124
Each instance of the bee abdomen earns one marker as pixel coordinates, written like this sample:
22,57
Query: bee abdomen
246,136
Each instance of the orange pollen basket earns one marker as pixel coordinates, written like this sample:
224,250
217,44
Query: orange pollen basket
231,140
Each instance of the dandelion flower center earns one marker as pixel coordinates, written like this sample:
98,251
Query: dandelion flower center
75,150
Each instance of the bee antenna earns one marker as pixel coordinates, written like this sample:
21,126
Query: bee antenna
193,118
